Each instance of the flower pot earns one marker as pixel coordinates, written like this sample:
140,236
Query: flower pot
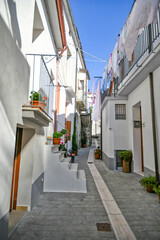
56,141
150,189
84,145
75,152
126,167
97,156
37,104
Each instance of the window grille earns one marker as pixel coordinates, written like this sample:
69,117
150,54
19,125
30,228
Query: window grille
120,111
119,162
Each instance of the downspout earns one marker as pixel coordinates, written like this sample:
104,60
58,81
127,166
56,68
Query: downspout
154,125
63,35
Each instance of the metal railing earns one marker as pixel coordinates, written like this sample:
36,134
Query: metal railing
40,83
146,42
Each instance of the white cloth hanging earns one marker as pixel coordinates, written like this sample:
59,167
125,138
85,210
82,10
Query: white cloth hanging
143,13
115,66
96,114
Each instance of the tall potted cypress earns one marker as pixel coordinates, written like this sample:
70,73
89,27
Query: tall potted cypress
74,142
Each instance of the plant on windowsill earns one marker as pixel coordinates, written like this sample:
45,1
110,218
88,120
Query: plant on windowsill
57,137
157,190
149,183
126,157
37,100
84,139
97,153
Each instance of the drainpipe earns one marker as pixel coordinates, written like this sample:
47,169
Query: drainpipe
62,28
76,81
154,126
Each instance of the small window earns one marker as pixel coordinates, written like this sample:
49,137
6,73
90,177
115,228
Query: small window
81,85
120,111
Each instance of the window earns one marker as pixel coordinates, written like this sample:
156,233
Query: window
120,111
81,85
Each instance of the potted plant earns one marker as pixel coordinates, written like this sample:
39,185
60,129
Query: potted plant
63,148
64,131
126,157
149,183
57,137
157,190
74,142
37,100
84,140
74,146
97,153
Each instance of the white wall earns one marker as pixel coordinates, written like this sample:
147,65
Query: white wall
142,94
114,132
14,82
156,81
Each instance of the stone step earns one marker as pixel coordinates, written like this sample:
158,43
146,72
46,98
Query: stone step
73,167
65,160
81,175
54,148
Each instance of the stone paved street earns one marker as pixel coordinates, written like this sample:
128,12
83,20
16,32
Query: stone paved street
73,216
67,216
140,208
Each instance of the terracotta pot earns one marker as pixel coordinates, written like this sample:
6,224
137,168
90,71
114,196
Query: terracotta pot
75,152
84,145
56,141
150,189
38,104
126,167
97,156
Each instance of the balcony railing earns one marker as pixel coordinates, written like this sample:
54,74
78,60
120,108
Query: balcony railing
146,43
41,83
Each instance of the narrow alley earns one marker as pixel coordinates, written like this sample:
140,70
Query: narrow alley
74,216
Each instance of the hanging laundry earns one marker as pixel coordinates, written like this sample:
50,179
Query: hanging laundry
93,99
121,43
104,81
115,65
96,114
143,13
110,63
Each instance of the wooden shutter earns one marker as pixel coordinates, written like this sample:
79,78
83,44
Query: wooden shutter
68,127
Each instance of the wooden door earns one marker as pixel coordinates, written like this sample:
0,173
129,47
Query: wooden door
16,167
142,160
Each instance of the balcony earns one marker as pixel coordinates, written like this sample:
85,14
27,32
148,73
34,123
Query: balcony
40,104
145,59
80,99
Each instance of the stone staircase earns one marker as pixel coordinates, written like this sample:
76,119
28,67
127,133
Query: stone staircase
60,175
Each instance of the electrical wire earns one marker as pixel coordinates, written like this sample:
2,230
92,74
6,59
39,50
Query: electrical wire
89,54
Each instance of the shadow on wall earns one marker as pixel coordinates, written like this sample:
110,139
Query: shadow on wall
14,22
4,226
7,146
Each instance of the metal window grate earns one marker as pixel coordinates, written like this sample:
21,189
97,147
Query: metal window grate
119,162
120,111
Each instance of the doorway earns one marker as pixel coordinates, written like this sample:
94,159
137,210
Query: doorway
16,167
138,138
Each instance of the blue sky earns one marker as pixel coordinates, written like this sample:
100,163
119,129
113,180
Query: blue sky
99,22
